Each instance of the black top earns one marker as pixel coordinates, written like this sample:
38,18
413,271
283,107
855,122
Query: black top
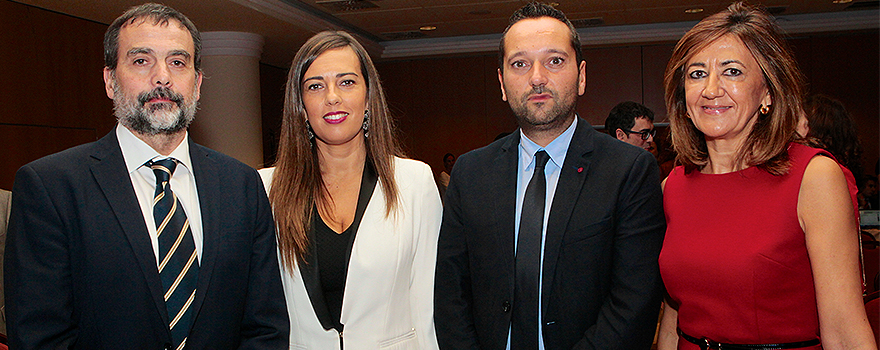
333,250
330,248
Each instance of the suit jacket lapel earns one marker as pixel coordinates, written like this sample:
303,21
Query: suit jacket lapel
206,173
108,168
312,281
309,271
504,187
369,179
568,190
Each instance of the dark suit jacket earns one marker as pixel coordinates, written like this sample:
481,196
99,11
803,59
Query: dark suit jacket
81,272
601,285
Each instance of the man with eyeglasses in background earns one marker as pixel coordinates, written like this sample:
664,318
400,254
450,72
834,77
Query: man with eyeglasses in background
633,123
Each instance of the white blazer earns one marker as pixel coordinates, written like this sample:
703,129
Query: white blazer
388,301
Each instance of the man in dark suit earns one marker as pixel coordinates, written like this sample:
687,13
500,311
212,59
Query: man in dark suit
577,273
144,239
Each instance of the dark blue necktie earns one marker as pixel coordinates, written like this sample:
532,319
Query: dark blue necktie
178,263
524,321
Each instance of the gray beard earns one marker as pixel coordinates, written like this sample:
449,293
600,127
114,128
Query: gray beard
159,118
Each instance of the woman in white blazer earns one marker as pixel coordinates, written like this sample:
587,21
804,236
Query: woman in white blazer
357,224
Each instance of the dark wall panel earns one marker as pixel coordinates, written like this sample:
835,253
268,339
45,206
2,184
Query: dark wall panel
53,97
847,67
654,59
272,85
25,143
55,94
614,75
435,98
446,105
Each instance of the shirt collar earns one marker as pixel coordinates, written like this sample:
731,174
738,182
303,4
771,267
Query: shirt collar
136,152
556,149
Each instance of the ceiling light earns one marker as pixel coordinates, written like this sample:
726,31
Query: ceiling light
841,1
427,28
554,4
693,10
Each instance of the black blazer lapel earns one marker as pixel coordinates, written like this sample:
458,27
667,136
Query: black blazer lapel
108,168
568,190
312,281
368,185
206,173
310,272
503,185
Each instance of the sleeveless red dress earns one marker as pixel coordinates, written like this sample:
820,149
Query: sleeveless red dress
734,257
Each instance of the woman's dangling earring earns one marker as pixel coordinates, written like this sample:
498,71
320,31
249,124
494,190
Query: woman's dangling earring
309,130
366,125
765,109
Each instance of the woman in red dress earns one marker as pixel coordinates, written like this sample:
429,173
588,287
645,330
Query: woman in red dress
760,250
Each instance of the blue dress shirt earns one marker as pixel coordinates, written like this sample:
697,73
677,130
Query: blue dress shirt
557,149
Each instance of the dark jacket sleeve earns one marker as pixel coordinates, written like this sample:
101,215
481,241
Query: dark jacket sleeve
265,324
453,300
39,290
628,317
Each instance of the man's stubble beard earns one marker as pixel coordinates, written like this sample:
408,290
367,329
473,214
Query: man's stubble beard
158,118
554,116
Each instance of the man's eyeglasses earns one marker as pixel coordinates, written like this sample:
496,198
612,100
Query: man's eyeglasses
645,133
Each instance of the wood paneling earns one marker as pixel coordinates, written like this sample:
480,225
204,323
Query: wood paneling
54,96
446,105
23,144
654,59
272,85
54,64
847,67
436,99
614,75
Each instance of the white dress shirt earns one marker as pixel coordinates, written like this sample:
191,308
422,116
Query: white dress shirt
136,153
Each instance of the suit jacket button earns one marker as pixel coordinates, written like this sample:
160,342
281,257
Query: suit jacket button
505,306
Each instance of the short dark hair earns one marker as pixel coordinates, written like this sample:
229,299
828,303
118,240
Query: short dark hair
538,10
623,116
160,14
447,155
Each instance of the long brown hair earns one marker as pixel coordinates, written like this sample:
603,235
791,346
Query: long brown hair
297,185
767,142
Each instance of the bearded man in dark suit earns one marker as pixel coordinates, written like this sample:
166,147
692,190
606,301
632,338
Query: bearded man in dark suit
562,257
144,239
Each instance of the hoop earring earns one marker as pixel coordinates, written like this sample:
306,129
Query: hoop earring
765,109
366,125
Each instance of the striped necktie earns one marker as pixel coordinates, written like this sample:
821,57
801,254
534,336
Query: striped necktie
178,264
